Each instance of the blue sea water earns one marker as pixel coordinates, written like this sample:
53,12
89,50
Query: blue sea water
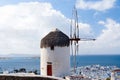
29,64
82,60
104,60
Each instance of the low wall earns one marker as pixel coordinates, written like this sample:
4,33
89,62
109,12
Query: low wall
13,77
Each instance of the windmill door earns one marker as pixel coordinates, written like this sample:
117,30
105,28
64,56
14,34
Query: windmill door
49,68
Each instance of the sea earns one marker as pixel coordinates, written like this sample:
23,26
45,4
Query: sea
33,63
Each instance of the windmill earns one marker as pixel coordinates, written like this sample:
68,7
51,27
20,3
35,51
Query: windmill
74,37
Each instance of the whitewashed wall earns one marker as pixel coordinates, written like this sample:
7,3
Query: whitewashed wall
112,76
60,58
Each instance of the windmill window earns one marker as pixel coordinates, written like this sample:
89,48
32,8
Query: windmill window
52,47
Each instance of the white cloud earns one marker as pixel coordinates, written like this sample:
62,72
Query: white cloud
23,25
111,35
85,30
101,22
101,5
107,43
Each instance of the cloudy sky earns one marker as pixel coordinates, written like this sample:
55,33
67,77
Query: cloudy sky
24,22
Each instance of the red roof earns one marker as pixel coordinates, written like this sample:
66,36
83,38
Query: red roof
116,70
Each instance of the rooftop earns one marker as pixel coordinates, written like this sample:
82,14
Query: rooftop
55,38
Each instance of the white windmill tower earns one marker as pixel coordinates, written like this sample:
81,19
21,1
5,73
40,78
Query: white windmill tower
55,54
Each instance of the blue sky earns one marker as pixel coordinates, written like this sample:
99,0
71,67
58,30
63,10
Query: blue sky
23,23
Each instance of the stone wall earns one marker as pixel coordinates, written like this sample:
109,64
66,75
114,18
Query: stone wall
3,77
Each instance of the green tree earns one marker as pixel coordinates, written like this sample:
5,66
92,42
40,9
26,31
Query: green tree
108,79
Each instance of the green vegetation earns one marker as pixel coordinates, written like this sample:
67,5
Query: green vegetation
108,79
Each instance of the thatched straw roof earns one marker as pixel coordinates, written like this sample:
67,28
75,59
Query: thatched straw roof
55,38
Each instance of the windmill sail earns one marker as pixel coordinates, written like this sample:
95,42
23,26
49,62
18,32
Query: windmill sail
75,38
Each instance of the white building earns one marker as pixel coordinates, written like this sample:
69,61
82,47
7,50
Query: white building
115,74
55,54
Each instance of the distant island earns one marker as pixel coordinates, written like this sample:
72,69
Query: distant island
1,58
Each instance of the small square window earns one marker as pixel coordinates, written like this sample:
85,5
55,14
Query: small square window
49,62
52,47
